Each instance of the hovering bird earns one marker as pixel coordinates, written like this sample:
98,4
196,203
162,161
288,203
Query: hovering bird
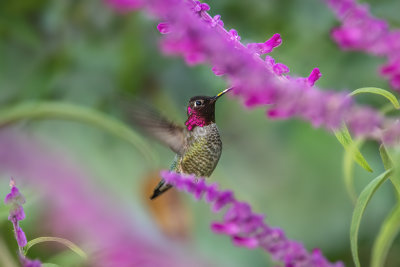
197,146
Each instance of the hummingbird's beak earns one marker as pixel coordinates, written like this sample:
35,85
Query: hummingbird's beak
222,93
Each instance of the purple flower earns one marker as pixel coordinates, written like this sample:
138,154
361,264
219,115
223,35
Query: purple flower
314,76
392,69
229,228
223,199
277,68
246,228
20,236
391,135
15,199
217,71
216,20
16,213
364,122
267,47
163,28
25,262
363,32
248,242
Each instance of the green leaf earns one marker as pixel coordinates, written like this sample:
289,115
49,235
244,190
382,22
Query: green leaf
395,179
344,137
65,111
50,265
388,164
348,168
386,160
63,241
359,209
389,230
378,91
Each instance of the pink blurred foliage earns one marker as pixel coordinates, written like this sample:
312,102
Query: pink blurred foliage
83,211
194,34
361,31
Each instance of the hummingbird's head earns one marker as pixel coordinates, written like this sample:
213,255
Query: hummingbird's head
201,110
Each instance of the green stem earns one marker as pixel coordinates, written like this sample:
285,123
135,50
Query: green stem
65,111
387,234
379,91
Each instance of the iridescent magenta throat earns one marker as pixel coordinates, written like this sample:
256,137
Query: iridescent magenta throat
194,119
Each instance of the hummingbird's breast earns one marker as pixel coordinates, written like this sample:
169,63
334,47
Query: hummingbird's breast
202,152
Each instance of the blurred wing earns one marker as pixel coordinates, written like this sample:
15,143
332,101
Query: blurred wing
155,125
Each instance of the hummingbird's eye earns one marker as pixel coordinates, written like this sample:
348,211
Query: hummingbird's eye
198,103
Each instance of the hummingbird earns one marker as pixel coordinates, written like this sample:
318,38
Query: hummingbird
197,145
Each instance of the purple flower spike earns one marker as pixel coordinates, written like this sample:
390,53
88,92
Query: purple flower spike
363,32
246,228
30,263
15,199
260,83
164,28
267,47
21,237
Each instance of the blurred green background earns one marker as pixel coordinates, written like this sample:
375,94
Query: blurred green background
85,53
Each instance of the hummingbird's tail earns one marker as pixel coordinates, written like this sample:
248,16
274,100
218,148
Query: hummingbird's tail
161,188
